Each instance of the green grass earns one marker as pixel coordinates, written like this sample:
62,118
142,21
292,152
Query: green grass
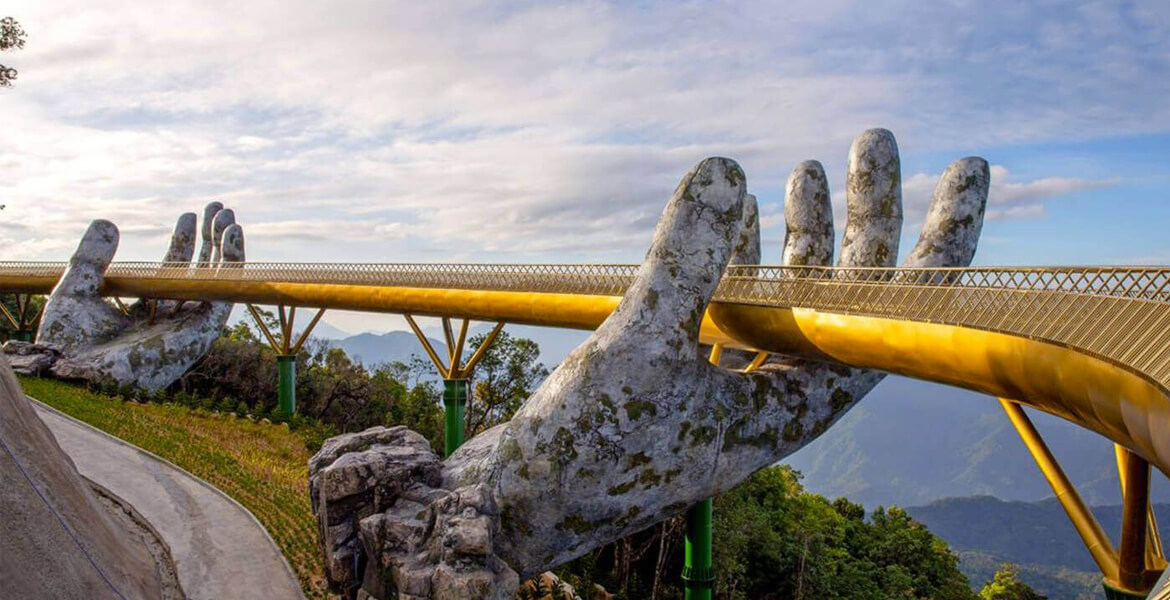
263,467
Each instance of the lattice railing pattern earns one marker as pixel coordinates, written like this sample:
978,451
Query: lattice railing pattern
1121,314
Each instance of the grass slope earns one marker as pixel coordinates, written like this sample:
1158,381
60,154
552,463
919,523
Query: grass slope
264,467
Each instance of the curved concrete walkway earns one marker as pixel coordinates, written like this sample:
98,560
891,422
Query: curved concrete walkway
221,552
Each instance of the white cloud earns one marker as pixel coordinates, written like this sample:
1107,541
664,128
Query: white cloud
1006,199
525,128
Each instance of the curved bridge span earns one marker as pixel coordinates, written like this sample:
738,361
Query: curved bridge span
1089,344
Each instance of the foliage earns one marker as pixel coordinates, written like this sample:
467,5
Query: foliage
262,466
12,37
332,389
505,377
774,540
1007,586
35,304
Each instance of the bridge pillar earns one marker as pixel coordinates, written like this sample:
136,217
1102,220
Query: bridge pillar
286,385
454,409
1113,593
698,574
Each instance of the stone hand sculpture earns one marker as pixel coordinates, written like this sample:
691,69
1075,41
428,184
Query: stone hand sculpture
147,346
635,425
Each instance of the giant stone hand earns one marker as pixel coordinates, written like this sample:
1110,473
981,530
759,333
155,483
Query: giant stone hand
154,342
635,425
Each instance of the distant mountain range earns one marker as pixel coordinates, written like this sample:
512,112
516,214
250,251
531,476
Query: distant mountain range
376,348
1037,536
912,442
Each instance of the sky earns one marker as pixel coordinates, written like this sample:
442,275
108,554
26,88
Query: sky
479,131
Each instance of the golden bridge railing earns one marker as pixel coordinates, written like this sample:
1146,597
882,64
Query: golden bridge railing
1120,314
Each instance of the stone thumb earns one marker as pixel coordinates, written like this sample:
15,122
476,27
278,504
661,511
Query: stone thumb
694,240
87,267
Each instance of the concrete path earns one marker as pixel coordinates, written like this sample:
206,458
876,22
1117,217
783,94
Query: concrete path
221,552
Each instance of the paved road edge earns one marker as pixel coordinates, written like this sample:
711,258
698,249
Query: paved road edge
124,443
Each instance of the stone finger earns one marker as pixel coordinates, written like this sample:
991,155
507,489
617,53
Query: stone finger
747,250
223,219
873,190
75,315
87,266
692,245
209,213
182,247
955,217
233,243
808,217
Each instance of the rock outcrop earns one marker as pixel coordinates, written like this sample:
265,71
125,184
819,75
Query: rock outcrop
635,425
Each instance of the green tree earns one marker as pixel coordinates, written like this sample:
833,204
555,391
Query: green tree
12,37
410,401
1006,585
776,540
506,375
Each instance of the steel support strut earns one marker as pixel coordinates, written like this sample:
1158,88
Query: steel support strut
455,374
26,320
1139,554
1125,575
1083,520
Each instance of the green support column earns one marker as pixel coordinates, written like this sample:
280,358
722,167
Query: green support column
1112,593
286,390
25,335
454,405
697,573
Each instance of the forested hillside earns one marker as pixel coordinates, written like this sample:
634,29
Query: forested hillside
1037,536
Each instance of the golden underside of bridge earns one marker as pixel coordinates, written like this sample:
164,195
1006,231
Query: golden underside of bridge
1091,345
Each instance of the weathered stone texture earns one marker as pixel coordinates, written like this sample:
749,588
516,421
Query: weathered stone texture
148,347
27,358
635,425
873,193
808,215
378,497
955,217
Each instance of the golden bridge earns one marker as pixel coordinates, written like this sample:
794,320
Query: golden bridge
1088,344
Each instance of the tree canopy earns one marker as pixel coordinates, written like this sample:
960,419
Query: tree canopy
12,37
1006,585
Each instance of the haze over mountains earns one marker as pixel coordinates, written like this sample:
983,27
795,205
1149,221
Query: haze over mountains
1037,536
